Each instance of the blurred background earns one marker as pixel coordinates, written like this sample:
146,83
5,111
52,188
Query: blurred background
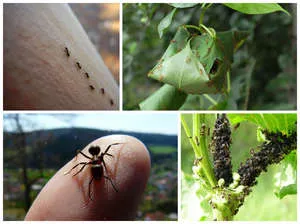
263,74
101,23
37,145
261,204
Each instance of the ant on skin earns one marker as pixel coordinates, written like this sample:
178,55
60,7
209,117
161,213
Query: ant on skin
67,52
96,162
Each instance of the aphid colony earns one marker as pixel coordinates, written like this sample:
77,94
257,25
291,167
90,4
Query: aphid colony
272,151
79,67
220,145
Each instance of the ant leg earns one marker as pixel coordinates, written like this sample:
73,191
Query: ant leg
108,147
90,188
111,183
109,178
104,165
83,155
83,163
109,154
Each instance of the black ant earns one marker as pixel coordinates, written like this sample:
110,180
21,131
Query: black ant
78,65
111,102
96,162
67,52
92,87
102,91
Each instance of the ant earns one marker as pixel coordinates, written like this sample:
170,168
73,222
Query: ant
78,65
111,102
96,162
67,52
102,90
92,87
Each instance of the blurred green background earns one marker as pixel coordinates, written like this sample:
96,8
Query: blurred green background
269,85
261,204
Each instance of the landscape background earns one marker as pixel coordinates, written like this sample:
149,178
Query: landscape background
31,158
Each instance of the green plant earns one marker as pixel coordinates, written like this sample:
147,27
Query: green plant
220,191
198,61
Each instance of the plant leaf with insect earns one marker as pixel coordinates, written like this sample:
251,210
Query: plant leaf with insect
256,8
165,23
285,123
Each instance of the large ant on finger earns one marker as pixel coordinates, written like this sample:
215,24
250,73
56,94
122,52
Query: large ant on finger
96,162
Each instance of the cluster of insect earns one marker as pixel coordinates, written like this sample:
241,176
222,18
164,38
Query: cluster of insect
96,162
220,144
272,151
79,67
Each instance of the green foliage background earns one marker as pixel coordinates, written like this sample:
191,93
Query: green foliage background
271,46
261,204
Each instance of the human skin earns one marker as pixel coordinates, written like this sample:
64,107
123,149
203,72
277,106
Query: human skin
65,197
50,63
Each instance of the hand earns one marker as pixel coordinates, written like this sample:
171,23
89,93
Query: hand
66,197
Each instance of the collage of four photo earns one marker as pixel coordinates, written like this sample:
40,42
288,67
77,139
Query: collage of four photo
182,112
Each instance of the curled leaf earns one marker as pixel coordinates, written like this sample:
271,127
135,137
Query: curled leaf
197,64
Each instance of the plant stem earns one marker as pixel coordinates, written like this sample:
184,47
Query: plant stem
188,133
210,99
204,8
201,133
194,27
228,82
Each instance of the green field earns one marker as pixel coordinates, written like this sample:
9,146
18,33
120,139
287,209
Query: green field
162,149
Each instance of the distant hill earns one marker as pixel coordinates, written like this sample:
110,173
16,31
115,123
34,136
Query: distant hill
60,145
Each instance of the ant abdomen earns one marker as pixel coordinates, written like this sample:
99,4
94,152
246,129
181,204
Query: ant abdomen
97,171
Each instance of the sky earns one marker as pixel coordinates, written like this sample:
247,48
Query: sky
165,123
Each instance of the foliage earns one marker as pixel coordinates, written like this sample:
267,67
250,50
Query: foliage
262,74
213,199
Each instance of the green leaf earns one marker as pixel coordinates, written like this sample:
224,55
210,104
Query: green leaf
183,5
286,179
165,23
166,98
256,8
285,123
287,190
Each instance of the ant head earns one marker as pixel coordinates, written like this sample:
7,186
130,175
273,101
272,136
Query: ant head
94,150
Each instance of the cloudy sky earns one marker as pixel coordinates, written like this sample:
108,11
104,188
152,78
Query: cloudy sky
165,123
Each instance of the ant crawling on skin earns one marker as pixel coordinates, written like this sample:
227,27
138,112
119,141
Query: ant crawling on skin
96,162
